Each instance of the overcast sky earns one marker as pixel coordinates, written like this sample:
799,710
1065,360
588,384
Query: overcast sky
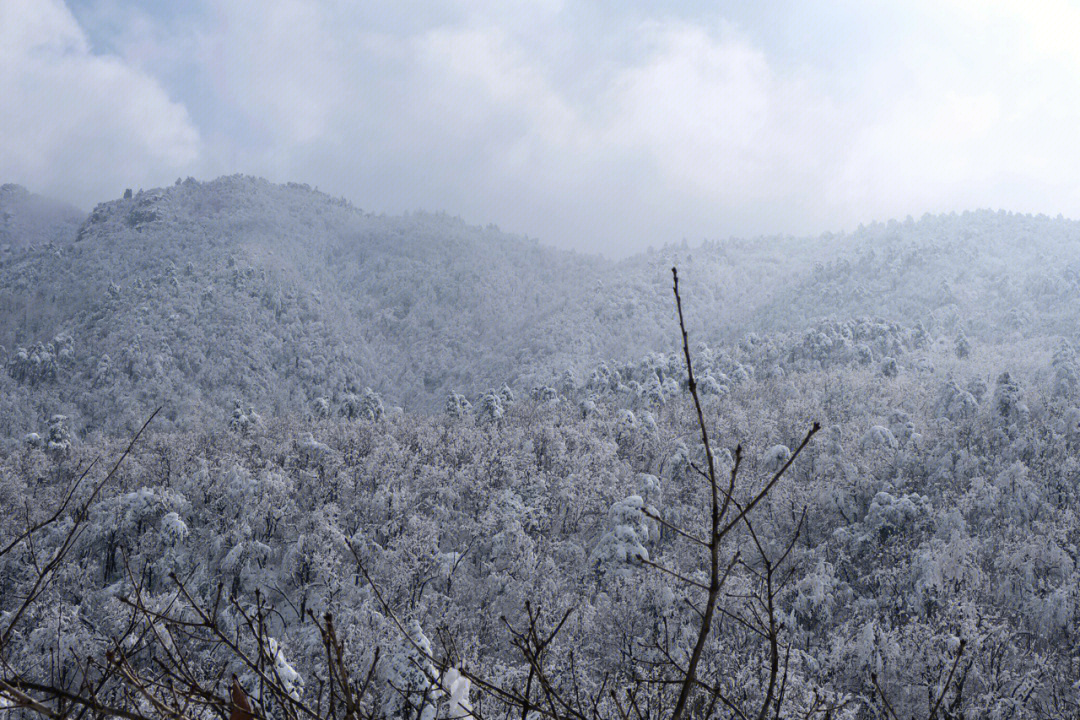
606,126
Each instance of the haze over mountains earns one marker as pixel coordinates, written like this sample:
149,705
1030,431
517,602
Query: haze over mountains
29,220
202,295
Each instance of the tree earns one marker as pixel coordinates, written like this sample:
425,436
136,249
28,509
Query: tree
124,682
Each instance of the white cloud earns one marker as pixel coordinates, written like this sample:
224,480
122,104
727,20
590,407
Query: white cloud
978,108
79,125
719,123
603,129
283,63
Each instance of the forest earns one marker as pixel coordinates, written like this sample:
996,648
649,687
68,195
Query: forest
265,455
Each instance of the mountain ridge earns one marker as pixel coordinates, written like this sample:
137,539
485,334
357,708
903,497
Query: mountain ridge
205,295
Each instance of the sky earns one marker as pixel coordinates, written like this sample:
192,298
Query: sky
604,126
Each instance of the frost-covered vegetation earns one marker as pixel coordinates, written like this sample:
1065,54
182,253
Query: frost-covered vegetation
548,456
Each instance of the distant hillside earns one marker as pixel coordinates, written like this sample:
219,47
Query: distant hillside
28,220
995,274
287,301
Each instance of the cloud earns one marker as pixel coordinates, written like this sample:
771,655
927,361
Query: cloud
78,125
601,127
471,115
976,110
719,124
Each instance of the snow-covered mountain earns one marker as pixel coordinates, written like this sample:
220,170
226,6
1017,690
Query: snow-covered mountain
206,293
280,298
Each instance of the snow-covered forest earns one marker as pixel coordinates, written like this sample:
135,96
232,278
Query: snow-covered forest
457,443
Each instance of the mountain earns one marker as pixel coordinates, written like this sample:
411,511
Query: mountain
238,296
204,294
